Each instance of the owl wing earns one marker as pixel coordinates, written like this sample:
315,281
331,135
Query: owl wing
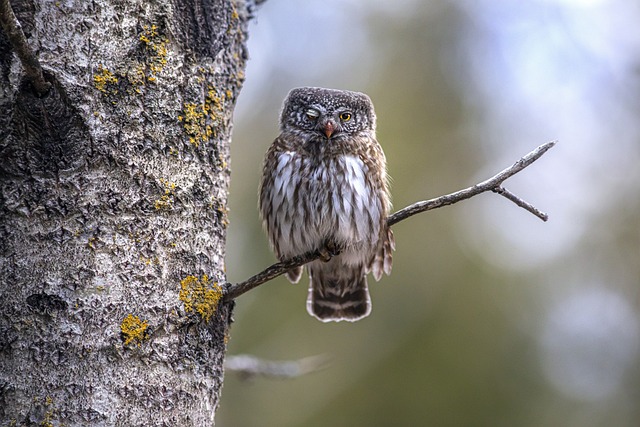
265,202
267,192
383,259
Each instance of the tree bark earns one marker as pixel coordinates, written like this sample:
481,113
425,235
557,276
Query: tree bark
113,194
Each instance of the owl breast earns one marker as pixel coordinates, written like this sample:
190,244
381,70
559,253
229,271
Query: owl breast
315,201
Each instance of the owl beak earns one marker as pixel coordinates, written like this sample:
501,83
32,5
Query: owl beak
329,128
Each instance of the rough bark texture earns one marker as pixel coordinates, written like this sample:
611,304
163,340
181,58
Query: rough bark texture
113,193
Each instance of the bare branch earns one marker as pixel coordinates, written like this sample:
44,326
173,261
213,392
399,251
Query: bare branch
492,184
488,185
249,366
269,273
13,30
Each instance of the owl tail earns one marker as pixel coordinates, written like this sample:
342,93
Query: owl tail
336,295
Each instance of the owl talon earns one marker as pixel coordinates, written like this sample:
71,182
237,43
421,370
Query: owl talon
329,250
325,254
333,248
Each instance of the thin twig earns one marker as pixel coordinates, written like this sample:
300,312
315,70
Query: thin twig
518,201
249,366
492,184
13,30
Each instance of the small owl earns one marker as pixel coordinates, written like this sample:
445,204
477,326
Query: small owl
324,186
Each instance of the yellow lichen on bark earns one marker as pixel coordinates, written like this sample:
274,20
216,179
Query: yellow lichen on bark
200,120
113,83
166,200
133,329
200,296
105,81
157,49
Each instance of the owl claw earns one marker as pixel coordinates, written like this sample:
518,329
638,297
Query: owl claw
329,250
325,256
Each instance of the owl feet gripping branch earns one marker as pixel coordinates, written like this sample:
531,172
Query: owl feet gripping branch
329,250
324,186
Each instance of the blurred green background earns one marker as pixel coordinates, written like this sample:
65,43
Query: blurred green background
490,317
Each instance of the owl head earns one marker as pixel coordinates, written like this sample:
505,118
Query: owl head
327,113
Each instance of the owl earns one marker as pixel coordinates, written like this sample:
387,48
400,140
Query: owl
324,187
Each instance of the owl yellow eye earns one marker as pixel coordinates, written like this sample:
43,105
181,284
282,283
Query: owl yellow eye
345,117
313,114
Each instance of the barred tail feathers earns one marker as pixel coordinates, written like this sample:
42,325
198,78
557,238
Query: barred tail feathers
338,294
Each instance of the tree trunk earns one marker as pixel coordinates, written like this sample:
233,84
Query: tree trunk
113,194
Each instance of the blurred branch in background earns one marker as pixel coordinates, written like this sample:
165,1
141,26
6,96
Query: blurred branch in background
492,184
248,367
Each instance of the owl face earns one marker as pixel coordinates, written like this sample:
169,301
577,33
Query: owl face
327,114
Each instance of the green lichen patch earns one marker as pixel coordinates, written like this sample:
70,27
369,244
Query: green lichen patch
133,330
199,295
